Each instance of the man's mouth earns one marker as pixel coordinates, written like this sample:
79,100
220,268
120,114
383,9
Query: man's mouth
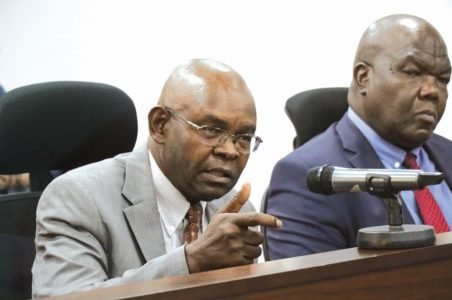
219,175
427,116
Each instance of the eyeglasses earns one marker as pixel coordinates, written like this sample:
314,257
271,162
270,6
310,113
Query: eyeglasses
216,137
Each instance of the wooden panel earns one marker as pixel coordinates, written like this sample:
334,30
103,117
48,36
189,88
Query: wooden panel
345,274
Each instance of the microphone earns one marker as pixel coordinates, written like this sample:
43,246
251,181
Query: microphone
328,180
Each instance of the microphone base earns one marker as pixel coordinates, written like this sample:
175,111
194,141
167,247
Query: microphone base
396,237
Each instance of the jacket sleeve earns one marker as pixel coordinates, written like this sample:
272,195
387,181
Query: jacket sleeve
311,222
73,245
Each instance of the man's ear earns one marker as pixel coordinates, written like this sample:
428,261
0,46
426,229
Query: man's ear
157,119
361,73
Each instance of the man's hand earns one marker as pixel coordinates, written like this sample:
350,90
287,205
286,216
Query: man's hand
228,240
238,201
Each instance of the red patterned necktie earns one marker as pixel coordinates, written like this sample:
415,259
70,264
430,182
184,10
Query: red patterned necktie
428,207
194,216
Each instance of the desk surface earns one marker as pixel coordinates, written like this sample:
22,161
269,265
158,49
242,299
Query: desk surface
344,274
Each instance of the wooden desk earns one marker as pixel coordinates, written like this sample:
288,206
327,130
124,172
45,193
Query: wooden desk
423,273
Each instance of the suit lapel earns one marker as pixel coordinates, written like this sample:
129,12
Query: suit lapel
440,156
360,153
212,207
142,215
358,150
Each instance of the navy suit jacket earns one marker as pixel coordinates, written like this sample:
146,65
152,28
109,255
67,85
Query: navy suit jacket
315,223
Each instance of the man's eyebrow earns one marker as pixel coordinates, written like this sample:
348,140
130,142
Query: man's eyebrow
222,123
446,71
421,62
411,58
247,129
215,120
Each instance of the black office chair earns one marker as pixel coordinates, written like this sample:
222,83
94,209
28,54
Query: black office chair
311,112
44,127
263,229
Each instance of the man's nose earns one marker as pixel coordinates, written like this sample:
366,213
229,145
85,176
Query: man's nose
429,89
226,146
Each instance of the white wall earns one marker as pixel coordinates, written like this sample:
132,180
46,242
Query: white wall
280,47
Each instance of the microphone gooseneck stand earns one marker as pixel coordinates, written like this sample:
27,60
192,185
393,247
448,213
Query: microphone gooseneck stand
396,235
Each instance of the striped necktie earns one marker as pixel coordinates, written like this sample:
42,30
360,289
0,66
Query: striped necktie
428,207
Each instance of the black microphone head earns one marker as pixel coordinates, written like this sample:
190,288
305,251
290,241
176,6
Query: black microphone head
430,178
318,179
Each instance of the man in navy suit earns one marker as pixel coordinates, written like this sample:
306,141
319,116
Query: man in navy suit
397,97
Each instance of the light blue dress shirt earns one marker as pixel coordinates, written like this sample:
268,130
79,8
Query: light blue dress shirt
392,158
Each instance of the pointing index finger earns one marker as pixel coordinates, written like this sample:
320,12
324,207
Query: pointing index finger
254,219
234,205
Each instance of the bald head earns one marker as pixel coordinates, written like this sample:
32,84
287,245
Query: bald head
201,101
391,33
400,78
197,80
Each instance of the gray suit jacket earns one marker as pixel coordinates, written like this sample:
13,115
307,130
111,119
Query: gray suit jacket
99,226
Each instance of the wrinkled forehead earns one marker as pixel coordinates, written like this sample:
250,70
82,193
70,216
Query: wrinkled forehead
208,88
217,90
410,40
223,99
438,62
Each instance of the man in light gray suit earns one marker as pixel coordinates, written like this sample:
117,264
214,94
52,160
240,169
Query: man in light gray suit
121,220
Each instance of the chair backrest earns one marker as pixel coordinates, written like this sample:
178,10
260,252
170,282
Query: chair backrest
63,125
264,228
313,111
17,250
44,127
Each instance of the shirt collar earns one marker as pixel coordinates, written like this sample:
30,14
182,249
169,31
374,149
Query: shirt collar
390,155
171,203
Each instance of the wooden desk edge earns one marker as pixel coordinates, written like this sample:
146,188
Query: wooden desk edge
284,272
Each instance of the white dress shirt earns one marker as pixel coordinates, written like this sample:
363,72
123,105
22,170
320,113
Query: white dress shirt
172,207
